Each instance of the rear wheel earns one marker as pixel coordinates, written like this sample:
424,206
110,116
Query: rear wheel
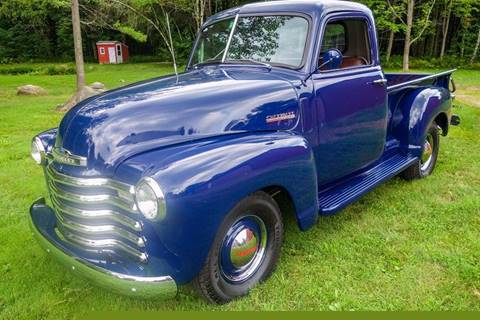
425,165
245,250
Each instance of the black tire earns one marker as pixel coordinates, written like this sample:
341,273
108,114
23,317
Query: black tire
211,282
423,167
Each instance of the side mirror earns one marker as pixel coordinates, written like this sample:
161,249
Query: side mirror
332,59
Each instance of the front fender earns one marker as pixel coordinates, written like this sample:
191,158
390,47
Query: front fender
420,107
203,181
48,138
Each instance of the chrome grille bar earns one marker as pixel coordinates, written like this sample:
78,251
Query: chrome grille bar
101,230
101,245
96,214
93,199
124,190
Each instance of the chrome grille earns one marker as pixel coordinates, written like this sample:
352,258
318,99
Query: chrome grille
96,214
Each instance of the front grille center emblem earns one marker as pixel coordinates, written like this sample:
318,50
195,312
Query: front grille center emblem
64,156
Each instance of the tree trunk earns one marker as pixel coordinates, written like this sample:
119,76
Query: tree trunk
199,12
202,12
83,91
445,31
77,41
408,35
390,45
462,46
475,51
94,50
209,7
432,46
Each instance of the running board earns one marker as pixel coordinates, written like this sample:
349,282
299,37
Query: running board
344,193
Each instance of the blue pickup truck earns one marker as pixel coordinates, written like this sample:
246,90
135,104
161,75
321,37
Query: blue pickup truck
283,107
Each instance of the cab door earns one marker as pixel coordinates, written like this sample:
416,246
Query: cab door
351,101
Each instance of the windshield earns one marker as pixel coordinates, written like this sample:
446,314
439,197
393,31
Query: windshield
276,40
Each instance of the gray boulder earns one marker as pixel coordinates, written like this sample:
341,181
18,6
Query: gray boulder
31,90
97,86
85,93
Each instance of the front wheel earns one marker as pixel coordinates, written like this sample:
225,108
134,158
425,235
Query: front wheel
245,251
425,165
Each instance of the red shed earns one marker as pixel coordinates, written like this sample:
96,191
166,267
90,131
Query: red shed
112,52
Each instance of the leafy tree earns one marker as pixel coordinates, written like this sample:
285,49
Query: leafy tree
447,12
404,12
385,20
77,41
24,22
475,50
139,18
167,28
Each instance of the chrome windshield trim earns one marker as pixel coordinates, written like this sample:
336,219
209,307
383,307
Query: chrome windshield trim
230,36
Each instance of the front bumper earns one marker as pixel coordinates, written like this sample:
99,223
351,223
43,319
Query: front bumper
42,223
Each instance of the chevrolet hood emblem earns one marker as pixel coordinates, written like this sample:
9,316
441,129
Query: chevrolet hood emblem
64,156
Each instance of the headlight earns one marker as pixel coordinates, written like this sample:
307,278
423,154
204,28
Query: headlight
38,151
150,199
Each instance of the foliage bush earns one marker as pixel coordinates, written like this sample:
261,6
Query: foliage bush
448,62
60,69
143,59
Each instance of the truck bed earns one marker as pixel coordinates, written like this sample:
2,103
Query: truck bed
398,81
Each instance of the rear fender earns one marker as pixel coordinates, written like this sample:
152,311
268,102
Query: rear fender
203,181
419,108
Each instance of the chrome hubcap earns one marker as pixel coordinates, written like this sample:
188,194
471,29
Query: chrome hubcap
427,154
243,249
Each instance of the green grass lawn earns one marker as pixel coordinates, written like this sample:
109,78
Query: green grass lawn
405,246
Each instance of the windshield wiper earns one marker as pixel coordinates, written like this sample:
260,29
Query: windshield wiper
213,60
210,60
269,66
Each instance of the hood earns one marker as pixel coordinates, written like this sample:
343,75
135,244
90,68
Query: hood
118,124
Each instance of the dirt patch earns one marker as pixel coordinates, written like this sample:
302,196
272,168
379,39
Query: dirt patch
469,95
468,99
469,88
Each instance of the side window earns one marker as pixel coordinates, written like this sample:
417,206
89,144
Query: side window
102,50
351,37
335,36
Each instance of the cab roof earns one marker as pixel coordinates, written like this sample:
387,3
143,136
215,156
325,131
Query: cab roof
309,7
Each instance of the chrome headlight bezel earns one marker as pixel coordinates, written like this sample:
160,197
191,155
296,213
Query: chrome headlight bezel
148,186
38,151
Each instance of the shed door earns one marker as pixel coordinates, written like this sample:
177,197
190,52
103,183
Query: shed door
111,55
119,53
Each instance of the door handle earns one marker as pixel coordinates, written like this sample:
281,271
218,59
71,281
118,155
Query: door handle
380,82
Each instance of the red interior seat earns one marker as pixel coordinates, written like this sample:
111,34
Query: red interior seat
353,62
